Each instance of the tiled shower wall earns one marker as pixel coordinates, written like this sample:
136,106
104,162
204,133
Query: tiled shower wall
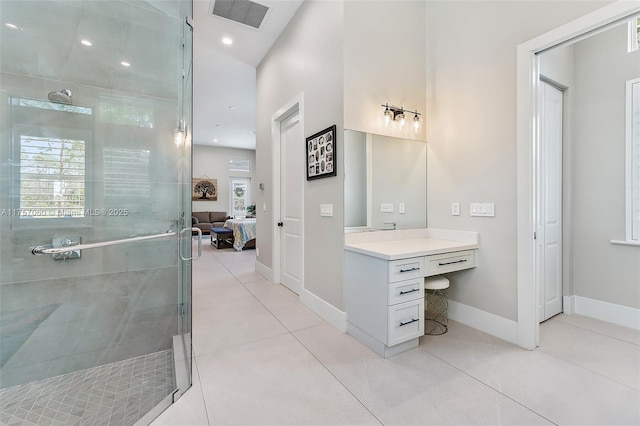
53,327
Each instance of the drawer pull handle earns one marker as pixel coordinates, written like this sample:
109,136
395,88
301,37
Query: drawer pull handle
410,291
409,270
451,263
408,322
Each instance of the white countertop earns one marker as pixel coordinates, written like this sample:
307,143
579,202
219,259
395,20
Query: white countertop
413,244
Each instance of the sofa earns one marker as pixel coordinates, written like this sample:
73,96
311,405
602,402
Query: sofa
207,220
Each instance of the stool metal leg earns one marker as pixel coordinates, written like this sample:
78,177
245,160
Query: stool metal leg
435,315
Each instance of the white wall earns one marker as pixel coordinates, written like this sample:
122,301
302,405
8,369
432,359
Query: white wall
384,61
341,56
602,271
471,130
213,162
306,58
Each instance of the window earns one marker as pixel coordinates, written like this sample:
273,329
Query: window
634,35
240,196
633,161
52,177
239,165
126,172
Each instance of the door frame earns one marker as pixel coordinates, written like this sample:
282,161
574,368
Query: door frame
528,165
296,103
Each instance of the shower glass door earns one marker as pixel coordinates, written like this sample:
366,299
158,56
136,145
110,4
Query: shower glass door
95,252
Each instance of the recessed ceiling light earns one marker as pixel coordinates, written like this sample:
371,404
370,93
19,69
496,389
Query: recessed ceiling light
215,140
227,41
10,25
232,107
125,64
86,42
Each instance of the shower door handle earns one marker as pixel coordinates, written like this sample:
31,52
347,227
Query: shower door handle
199,231
38,250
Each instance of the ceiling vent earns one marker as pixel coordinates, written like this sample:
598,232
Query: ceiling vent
244,12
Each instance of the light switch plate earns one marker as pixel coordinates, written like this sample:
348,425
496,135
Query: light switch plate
386,207
326,210
482,209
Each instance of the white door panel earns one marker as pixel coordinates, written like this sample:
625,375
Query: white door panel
551,202
292,151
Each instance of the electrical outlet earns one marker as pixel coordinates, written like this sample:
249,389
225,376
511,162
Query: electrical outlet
401,208
455,209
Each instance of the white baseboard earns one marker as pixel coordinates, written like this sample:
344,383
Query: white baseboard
486,322
604,311
265,271
324,310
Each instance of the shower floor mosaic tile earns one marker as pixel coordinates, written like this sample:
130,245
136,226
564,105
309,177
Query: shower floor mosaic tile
113,394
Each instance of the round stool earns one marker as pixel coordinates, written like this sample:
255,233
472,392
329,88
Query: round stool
435,305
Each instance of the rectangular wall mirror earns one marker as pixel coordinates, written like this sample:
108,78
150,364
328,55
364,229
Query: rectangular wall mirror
385,184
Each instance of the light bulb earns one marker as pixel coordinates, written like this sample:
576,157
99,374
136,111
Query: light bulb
400,117
387,116
416,122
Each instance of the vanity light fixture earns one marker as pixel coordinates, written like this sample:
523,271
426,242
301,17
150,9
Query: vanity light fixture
392,113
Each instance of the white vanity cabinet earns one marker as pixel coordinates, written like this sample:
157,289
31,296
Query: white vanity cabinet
384,285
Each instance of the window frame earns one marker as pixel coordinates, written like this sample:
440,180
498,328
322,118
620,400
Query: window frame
632,162
247,195
59,133
633,30
235,165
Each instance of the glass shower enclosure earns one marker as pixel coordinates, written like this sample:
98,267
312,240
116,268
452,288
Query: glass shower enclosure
95,184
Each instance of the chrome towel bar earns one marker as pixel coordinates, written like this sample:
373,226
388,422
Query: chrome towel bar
39,250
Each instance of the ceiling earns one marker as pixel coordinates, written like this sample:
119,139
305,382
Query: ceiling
224,76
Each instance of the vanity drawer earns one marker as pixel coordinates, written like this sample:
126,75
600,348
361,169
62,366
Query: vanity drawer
406,321
406,269
449,262
405,291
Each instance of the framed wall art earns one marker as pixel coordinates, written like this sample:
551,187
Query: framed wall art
321,154
204,189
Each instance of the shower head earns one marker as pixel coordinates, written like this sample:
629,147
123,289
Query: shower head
61,97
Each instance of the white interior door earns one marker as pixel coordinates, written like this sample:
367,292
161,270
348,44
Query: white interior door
550,239
292,153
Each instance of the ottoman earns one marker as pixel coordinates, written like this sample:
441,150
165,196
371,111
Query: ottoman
221,236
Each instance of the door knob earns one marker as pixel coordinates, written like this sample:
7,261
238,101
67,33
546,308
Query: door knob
280,224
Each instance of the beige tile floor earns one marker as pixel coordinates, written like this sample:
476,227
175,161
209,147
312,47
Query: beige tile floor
262,358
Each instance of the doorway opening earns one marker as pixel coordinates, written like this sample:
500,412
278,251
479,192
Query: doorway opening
528,161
